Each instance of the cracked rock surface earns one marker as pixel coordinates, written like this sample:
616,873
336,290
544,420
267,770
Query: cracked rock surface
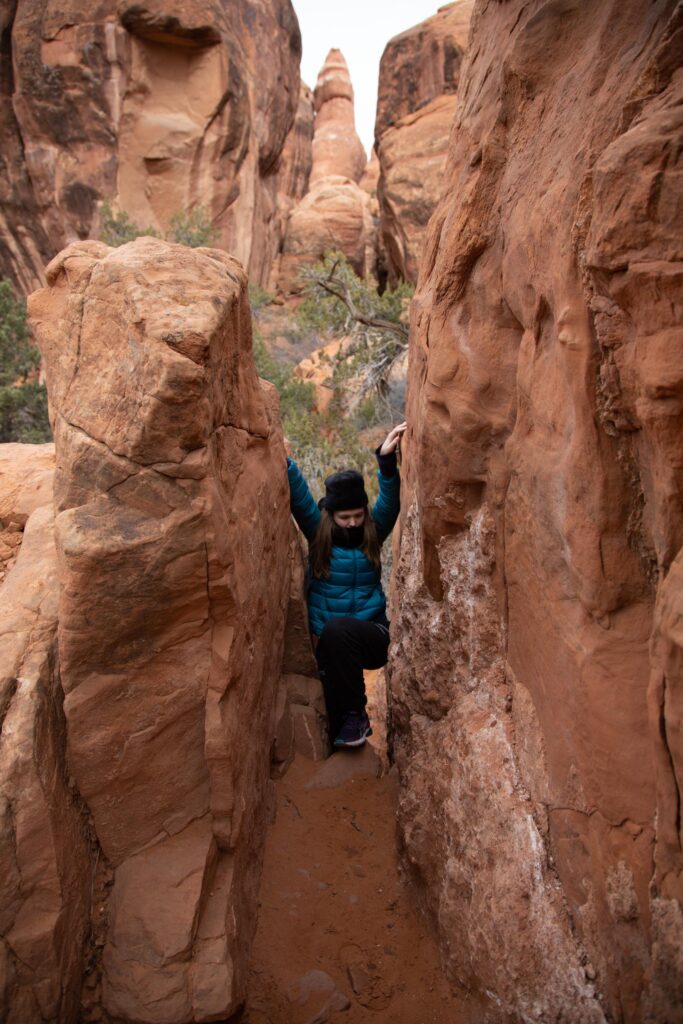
535,674
172,538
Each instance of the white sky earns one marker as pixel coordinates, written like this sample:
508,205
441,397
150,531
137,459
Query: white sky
360,29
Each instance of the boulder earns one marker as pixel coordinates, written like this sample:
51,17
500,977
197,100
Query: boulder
298,657
300,722
417,96
172,537
336,215
26,475
543,522
317,991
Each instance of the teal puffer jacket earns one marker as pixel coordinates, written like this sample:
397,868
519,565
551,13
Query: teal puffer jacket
354,586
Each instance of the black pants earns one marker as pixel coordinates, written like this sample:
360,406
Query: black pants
347,646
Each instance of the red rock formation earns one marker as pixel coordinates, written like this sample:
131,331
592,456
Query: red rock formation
336,213
418,82
26,474
45,860
299,715
336,146
543,521
295,170
172,534
155,106
370,177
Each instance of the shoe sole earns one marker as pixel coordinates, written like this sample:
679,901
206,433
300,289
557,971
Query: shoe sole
353,743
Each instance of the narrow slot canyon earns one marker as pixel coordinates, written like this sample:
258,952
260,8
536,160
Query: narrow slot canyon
218,289
339,934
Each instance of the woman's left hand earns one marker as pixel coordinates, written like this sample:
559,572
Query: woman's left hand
393,439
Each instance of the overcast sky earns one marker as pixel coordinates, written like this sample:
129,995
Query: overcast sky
360,29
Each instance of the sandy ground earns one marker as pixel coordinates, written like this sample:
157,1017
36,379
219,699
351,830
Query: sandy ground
339,938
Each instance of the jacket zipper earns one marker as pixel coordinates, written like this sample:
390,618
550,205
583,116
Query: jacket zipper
355,577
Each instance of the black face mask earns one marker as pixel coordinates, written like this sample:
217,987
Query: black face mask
348,536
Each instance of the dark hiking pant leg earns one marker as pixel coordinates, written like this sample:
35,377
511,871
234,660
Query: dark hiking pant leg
347,646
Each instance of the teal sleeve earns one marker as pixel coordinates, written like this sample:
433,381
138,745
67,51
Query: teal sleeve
302,503
386,508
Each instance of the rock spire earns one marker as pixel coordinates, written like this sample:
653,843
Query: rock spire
336,146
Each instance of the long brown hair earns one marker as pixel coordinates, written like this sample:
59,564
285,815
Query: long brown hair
321,545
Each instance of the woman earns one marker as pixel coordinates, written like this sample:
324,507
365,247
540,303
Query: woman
346,603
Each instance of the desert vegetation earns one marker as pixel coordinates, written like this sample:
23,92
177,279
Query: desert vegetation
23,398
193,227
367,394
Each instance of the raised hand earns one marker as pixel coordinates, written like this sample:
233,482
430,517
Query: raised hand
393,439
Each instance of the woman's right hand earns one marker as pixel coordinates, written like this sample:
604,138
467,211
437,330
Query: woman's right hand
393,439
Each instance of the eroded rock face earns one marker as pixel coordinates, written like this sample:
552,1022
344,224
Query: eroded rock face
417,96
336,213
172,532
45,857
295,170
543,522
46,863
26,478
154,107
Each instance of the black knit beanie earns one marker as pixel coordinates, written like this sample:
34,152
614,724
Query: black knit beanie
343,491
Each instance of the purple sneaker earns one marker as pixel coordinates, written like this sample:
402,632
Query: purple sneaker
355,728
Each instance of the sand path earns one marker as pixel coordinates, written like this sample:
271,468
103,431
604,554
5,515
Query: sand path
339,937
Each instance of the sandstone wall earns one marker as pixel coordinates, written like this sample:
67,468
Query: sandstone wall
295,172
172,542
417,95
46,861
536,665
155,107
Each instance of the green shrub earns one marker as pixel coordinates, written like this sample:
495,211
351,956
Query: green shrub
324,312
259,298
320,443
339,302
23,413
194,228
118,228
296,396
23,399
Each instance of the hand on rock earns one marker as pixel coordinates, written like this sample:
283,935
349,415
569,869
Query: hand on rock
393,439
